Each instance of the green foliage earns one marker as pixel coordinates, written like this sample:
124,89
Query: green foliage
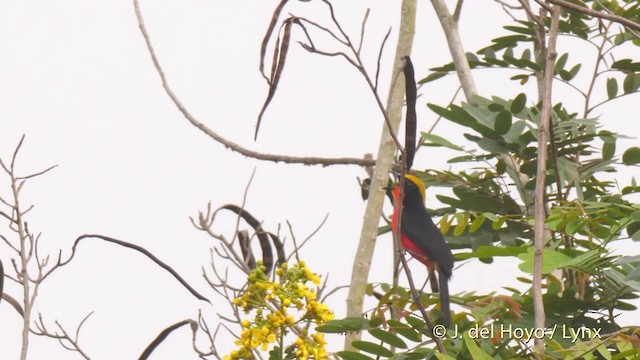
488,210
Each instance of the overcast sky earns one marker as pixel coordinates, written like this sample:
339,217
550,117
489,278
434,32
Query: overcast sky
77,80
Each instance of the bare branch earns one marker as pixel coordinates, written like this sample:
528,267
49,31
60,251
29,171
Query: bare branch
1,280
323,28
364,24
13,302
387,149
360,66
539,204
37,174
543,5
15,153
224,141
277,67
61,335
139,249
384,41
450,27
332,54
599,14
530,14
267,35
313,233
164,334
458,11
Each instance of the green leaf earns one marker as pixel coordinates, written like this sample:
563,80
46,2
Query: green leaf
275,353
574,71
625,307
612,87
503,122
522,77
631,83
608,150
477,222
442,356
331,328
461,225
344,325
520,30
631,156
433,76
474,349
487,251
440,141
560,63
416,323
352,355
388,338
518,103
626,65
498,224
372,348
564,75
404,330
552,260
495,107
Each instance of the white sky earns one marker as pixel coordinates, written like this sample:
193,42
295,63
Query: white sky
76,78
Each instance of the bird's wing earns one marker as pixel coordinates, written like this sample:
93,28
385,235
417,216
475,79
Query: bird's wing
421,230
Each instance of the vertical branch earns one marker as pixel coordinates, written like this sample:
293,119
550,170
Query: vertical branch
1,280
543,138
450,26
369,232
25,248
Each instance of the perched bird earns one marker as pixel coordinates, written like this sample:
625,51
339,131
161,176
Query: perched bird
421,238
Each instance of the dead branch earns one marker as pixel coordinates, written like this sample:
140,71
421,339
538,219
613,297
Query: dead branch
13,302
219,138
599,14
65,340
165,333
137,248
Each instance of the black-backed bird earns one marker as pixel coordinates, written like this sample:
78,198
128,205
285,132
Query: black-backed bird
421,238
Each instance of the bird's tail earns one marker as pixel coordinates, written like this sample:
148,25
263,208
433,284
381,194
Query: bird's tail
444,299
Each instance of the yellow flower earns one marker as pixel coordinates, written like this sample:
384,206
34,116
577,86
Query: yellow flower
311,276
271,322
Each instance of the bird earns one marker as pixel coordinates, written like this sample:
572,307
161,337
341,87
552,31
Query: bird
421,238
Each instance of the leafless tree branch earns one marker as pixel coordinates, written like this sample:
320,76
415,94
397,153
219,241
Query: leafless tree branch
224,141
599,14
139,249
539,204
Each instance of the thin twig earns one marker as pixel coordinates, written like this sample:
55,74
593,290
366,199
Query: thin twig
364,25
36,174
599,14
458,11
313,233
384,41
137,248
222,140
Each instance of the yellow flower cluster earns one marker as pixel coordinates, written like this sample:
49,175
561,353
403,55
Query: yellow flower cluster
276,305
310,347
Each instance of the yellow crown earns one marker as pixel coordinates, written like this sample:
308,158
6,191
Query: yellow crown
414,179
